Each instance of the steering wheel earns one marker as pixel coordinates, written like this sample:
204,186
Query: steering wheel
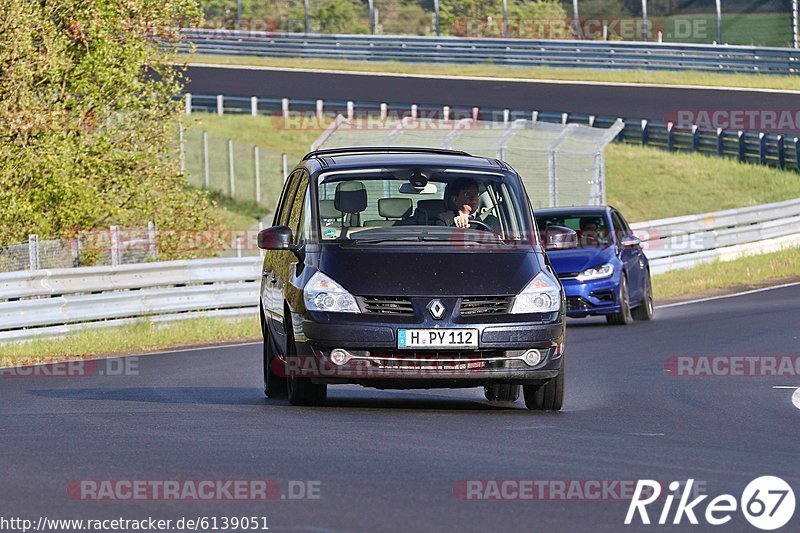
481,225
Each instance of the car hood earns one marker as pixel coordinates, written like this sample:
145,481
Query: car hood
569,263
376,271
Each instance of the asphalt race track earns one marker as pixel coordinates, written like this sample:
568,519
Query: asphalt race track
389,460
608,100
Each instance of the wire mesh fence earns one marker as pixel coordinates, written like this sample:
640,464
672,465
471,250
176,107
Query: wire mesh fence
560,164
232,168
114,246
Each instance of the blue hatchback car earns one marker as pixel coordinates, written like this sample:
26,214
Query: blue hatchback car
608,273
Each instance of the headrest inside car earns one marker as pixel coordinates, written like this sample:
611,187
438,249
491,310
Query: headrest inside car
394,207
350,197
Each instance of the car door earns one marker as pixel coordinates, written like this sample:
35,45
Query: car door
631,257
272,298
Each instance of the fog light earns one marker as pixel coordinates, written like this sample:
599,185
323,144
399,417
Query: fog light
532,357
340,357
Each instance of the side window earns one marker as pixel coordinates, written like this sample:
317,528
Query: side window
300,211
621,229
289,193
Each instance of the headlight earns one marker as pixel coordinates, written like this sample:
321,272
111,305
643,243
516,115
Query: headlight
600,272
321,293
541,295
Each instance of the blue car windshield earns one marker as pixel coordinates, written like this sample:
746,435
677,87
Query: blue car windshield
415,205
592,230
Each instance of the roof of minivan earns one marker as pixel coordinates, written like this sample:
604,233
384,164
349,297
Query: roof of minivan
421,159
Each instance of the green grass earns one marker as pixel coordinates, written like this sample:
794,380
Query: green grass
648,183
762,29
645,183
141,337
754,81
745,272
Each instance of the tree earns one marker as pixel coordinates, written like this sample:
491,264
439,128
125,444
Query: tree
88,125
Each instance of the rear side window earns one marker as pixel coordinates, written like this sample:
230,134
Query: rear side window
287,199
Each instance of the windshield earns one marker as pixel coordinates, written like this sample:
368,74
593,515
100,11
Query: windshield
421,204
592,229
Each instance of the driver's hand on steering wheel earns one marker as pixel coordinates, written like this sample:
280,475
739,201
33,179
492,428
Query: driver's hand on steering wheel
462,220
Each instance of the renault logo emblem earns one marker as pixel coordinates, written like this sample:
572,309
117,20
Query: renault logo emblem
436,309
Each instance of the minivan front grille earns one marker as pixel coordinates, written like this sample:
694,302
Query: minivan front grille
387,305
484,305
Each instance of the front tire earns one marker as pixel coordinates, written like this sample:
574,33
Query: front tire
501,393
623,316
302,391
274,385
645,310
548,396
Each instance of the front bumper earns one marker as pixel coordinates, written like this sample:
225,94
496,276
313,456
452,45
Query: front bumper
594,297
377,362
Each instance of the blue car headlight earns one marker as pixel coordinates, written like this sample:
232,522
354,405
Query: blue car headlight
600,272
541,295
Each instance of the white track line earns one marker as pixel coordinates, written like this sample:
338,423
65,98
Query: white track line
500,79
710,298
796,398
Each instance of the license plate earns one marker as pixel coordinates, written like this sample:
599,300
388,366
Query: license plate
437,338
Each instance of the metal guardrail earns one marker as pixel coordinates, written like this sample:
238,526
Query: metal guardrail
54,302
764,148
683,242
519,52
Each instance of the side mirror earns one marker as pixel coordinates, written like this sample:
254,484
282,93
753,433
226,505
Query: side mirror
560,238
630,241
275,238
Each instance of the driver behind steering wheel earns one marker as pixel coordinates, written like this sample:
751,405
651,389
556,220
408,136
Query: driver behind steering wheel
462,198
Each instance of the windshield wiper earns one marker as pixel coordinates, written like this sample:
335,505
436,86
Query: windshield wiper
422,238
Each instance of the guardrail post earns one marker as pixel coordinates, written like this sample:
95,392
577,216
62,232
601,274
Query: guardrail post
446,112
720,142
285,163
115,255
695,138
475,113
564,118
797,152
257,167
506,114
33,251
238,246
260,229
670,137
742,146
350,111
551,177
762,148
231,172
206,174
384,111
592,118
414,110
781,152
319,110
220,104
254,106
285,108
645,136
534,117
152,241
188,103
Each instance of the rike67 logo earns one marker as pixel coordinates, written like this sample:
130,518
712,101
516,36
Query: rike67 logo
767,503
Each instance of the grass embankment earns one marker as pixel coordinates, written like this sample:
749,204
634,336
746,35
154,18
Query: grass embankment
644,183
698,78
141,337
740,274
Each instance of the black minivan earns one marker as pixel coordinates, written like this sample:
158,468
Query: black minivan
410,268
